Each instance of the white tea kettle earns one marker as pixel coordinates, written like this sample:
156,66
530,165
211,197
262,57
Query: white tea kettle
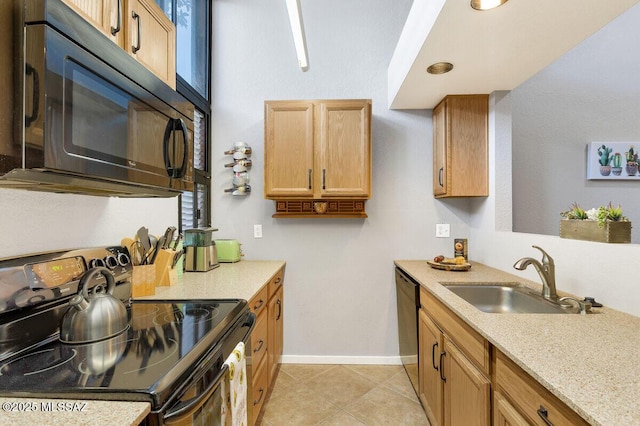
96,317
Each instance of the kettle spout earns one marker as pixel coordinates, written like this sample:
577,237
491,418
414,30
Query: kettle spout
79,302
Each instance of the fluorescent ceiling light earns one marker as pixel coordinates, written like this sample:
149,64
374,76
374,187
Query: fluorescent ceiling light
486,4
295,18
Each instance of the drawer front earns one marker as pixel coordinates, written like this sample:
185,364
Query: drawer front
474,346
530,397
258,303
259,339
276,282
259,392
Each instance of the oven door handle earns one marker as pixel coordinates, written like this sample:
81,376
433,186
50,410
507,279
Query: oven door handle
194,403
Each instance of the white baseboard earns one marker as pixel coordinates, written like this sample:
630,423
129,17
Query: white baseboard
320,359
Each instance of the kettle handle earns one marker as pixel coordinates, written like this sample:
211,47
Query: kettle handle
88,276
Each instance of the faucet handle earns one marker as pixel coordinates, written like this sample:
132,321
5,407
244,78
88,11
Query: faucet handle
546,259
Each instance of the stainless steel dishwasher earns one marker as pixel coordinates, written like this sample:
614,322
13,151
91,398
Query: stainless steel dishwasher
408,300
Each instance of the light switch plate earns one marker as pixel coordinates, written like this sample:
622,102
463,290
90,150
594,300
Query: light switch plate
257,231
442,230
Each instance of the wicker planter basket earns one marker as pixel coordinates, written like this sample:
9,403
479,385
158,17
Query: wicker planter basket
590,230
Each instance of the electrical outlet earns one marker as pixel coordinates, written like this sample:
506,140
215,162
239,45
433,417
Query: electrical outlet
442,230
257,231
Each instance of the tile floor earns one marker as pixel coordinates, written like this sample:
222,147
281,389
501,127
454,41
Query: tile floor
340,395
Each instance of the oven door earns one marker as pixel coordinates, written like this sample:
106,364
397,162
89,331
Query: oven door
84,117
201,402
198,406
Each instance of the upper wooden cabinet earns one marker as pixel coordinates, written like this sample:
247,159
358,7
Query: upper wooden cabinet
318,157
460,146
139,27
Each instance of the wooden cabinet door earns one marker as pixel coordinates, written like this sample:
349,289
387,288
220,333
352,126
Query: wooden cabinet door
288,151
505,414
439,150
430,383
467,399
275,337
105,15
151,39
344,149
460,146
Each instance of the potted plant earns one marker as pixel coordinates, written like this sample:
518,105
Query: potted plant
604,158
604,224
616,164
632,162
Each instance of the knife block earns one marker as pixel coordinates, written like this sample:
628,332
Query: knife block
165,274
143,280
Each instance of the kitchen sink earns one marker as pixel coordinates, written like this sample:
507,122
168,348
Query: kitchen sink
506,298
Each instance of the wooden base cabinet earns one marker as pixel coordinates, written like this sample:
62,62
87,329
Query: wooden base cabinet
453,389
527,398
267,341
275,329
431,386
464,380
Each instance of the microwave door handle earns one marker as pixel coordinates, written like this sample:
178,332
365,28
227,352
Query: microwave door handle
168,131
28,119
185,151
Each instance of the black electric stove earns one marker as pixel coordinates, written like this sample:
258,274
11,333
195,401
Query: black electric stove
167,344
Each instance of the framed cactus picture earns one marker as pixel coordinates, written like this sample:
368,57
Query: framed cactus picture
613,161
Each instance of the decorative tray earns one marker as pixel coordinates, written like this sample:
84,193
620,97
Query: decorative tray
449,266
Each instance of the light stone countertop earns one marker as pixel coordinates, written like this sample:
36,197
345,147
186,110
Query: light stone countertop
240,280
591,362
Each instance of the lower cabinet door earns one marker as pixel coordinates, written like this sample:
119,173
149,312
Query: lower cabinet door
430,383
467,392
259,391
505,414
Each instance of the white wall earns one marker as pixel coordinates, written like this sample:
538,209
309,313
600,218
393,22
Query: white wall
605,271
35,222
590,94
339,288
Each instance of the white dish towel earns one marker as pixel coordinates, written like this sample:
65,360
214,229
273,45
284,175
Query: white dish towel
234,389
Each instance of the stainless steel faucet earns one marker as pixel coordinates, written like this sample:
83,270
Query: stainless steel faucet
547,273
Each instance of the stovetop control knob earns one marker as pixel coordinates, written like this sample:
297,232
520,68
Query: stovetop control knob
96,263
123,259
111,262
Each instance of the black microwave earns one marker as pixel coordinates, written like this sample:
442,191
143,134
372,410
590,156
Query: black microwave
95,121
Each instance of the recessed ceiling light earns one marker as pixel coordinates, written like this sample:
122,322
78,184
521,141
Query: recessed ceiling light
486,4
440,68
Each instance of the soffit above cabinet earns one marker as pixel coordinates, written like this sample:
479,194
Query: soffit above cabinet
491,50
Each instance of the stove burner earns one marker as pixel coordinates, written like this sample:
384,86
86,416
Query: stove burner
166,357
48,359
144,310
177,316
